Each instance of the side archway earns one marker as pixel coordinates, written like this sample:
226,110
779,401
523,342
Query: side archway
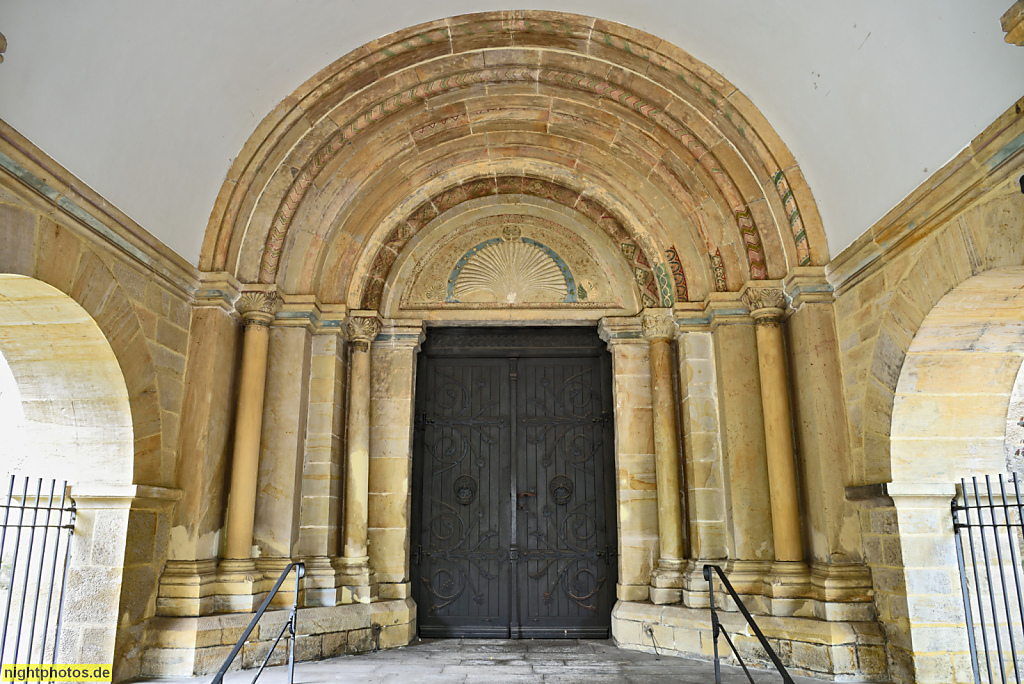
77,422
950,411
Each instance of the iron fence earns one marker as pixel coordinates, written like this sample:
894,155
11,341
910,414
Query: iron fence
35,546
987,524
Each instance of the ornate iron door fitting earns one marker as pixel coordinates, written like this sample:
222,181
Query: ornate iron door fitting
513,463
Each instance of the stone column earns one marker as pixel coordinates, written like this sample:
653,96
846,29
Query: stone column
355,582
789,575
238,579
668,577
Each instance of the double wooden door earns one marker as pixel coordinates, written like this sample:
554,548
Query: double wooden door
513,525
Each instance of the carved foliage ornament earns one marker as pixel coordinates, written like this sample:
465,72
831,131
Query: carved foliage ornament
764,298
658,326
362,330
258,307
766,304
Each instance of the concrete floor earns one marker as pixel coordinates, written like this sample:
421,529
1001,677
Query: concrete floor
493,661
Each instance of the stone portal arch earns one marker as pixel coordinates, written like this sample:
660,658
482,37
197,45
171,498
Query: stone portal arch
679,150
77,417
950,410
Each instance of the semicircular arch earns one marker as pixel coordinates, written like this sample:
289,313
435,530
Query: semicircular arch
672,110
77,419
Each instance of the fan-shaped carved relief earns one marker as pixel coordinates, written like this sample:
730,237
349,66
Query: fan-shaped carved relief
511,272
515,257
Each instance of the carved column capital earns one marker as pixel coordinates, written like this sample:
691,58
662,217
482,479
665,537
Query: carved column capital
658,324
258,307
362,330
766,304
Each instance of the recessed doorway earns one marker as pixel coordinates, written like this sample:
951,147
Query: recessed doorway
513,484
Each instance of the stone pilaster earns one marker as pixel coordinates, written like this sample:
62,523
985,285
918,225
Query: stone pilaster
634,456
117,551
392,387
320,516
283,441
189,580
708,419
363,328
789,574
908,542
667,578
238,580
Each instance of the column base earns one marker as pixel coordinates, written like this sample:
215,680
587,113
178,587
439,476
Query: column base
355,583
271,568
187,588
695,587
387,591
667,581
748,576
788,580
323,581
239,586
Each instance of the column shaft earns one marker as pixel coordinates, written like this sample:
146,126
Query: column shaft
779,443
668,578
248,423
357,465
355,563
666,449
767,305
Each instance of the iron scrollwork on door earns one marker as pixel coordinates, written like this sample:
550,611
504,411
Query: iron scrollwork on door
461,428
511,469
565,549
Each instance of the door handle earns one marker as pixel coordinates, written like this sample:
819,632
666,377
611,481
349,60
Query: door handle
521,498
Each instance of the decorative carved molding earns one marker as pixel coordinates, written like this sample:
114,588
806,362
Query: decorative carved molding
620,330
766,304
258,307
362,330
636,249
658,325
3,47
1012,22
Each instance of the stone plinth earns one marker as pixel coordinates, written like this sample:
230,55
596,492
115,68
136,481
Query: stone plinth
188,646
836,651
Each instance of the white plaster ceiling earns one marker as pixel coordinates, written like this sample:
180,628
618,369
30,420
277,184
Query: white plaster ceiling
149,102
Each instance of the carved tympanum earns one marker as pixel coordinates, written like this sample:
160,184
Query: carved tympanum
509,273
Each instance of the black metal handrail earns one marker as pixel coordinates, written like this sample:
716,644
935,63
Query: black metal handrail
716,628
300,572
